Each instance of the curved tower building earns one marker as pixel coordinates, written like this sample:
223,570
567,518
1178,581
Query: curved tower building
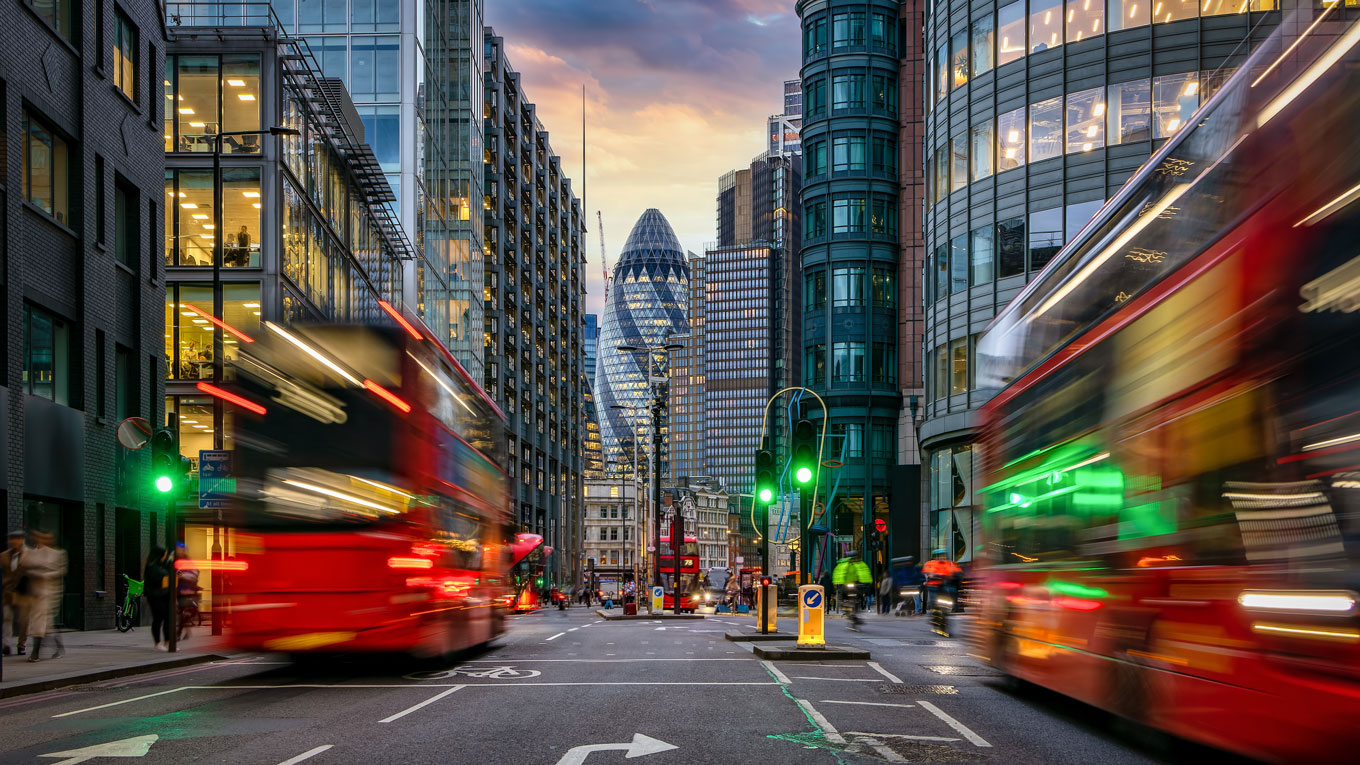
647,304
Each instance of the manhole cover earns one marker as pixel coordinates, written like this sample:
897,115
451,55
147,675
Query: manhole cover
964,671
905,690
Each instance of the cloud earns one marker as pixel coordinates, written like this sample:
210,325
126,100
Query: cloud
677,92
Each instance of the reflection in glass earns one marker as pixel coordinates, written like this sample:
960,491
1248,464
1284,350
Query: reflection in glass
1085,18
1130,108
189,333
1045,129
1127,14
1010,23
382,131
1175,97
1164,11
958,366
1079,214
980,159
941,271
1086,120
847,216
984,40
847,91
942,75
847,287
1045,25
1045,237
959,152
942,172
959,59
958,264
1010,139
1010,241
981,255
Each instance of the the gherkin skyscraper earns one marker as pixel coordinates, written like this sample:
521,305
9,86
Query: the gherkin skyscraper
647,304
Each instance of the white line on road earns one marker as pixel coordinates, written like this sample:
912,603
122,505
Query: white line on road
875,666
117,703
828,729
306,754
869,704
837,679
882,750
955,724
421,705
780,676
573,629
526,661
902,735
554,637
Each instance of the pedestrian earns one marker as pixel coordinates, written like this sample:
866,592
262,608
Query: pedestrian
43,567
884,594
156,575
13,599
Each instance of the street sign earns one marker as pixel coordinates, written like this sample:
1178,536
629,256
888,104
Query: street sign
658,599
216,485
880,525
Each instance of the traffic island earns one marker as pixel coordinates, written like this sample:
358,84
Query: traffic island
791,652
619,617
752,637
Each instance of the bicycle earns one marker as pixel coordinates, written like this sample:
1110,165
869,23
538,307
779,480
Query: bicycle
939,603
850,607
125,616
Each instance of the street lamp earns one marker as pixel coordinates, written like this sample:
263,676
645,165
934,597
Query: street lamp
218,345
637,516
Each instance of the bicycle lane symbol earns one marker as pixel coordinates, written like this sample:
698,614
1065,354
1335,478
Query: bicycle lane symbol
504,672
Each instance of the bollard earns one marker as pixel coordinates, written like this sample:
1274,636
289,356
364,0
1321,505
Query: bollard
767,607
811,616
658,599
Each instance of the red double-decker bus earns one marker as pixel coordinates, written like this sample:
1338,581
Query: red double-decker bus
372,512
690,592
1171,513
528,563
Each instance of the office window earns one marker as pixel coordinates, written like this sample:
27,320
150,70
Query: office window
847,216
322,16
942,163
189,344
883,444
959,156
124,54
1045,24
1010,241
47,356
854,439
847,362
1045,129
814,96
1127,14
1086,120
883,90
980,156
814,364
375,68
815,291
1078,215
941,387
374,16
883,215
942,74
382,131
885,289
884,155
958,264
1045,237
814,37
847,91
984,42
941,271
47,175
814,157
958,58
195,102
848,153
1010,25
981,255
814,217
604,534
1010,140
1130,108
847,287
1174,10
884,363
883,31
1175,97
958,366
60,14
126,223
847,29
1085,18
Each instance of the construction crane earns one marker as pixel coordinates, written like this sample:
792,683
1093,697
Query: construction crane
604,256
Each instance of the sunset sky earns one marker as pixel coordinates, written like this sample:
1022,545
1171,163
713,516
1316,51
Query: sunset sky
677,93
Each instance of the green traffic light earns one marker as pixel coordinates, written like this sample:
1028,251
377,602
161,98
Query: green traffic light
766,495
164,484
803,474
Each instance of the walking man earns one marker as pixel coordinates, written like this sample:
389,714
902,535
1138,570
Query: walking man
10,561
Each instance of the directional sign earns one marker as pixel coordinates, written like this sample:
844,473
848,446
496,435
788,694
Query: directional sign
216,486
640,746
137,746
812,598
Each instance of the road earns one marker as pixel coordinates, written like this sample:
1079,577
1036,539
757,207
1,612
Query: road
560,688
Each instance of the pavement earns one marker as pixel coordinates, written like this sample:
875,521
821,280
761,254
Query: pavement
569,688
102,655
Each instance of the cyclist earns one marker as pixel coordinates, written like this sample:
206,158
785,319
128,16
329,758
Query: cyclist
941,576
851,575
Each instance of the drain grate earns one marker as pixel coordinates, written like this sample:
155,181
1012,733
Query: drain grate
909,690
963,671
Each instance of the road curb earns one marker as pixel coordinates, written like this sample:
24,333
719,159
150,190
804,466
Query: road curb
645,617
751,637
794,653
81,678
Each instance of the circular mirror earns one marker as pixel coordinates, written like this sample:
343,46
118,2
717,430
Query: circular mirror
134,433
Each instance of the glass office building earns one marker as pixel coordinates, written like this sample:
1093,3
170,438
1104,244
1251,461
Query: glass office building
1037,111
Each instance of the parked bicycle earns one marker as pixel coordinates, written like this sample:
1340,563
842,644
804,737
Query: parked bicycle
125,617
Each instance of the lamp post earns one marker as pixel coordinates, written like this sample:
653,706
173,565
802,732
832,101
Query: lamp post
657,405
218,344
637,516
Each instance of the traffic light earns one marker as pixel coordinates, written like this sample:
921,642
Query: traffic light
766,489
766,581
804,462
164,461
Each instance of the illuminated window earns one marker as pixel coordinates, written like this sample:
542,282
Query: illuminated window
1130,108
1086,120
124,55
1175,97
980,156
1010,24
1085,18
1010,140
1045,25
1164,11
958,60
1127,14
958,366
46,172
984,42
189,345
1045,129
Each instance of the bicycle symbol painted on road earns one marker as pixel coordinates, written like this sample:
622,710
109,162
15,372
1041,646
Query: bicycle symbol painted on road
504,672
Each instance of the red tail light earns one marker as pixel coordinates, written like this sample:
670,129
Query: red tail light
185,564
409,563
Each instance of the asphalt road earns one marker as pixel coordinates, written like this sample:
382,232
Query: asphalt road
674,691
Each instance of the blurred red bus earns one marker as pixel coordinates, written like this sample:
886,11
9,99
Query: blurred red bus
1171,511
690,592
528,558
372,512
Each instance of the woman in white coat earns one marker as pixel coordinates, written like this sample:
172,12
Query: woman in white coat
44,566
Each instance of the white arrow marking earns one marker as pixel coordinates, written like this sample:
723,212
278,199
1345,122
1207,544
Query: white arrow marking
640,746
660,629
137,746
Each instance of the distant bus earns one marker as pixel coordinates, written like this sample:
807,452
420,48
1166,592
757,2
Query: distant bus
689,573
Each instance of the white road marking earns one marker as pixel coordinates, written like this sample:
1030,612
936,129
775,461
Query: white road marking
421,705
117,703
306,754
780,676
875,666
554,637
523,661
573,629
837,679
828,729
902,735
955,724
868,704
882,750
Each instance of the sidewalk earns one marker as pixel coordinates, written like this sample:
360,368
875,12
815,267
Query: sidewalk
100,655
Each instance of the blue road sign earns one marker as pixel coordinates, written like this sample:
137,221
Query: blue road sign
812,599
216,485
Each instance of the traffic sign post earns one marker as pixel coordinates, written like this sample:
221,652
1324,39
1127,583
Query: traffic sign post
658,598
811,616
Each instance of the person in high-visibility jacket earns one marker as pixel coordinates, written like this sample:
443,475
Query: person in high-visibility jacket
941,575
850,576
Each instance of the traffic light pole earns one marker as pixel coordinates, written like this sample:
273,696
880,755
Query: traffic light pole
171,542
656,490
